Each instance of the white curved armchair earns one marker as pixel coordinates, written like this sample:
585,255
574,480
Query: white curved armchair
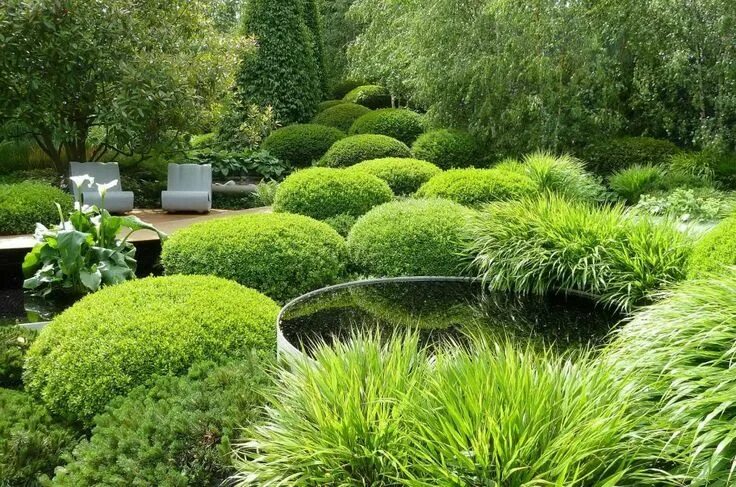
189,188
116,200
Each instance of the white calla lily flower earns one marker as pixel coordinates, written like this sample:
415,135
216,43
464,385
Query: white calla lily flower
80,181
103,188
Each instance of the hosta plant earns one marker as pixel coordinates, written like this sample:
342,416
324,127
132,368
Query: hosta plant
84,252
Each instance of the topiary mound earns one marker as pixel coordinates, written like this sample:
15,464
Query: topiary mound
14,343
447,148
177,432
342,88
359,148
341,116
371,96
404,176
329,104
714,250
25,204
32,442
302,144
118,338
476,187
399,123
322,192
410,238
280,255
610,155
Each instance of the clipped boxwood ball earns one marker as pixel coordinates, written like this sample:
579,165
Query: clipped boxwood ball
281,255
118,338
399,123
322,106
475,187
714,250
23,205
447,148
359,148
371,96
404,176
302,144
341,116
410,238
342,88
322,192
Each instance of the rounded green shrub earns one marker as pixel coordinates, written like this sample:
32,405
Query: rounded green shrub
341,223
633,182
341,116
14,343
447,148
681,353
118,338
342,88
302,144
323,192
281,255
32,442
371,96
404,176
177,432
714,250
400,123
25,204
329,104
358,148
610,155
476,187
410,238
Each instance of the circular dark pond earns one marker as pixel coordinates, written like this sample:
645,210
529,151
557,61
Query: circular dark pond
440,309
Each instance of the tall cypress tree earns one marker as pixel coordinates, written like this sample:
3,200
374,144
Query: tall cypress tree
313,19
283,72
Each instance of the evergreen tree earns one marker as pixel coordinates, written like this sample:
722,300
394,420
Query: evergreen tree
313,19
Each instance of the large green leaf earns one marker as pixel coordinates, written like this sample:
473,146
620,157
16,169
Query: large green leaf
91,278
135,224
71,244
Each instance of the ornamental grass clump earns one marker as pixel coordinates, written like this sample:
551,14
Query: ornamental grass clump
682,351
541,244
632,183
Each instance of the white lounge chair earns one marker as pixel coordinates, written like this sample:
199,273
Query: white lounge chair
116,200
189,188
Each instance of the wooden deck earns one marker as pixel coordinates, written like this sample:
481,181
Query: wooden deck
166,222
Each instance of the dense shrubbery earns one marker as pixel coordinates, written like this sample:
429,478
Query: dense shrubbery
447,148
25,204
708,165
281,255
404,176
396,414
359,148
301,145
371,96
116,339
410,238
633,182
476,187
342,88
324,105
177,432
401,124
536,245
14,343
563,175
607,156
681,350
341,116
323,192
32,442
715,249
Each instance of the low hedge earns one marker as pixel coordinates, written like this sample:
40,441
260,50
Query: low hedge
281,255
447,149
322,106
25,204
714,250
118,338
302,144
410,238
14,343
322,192
341,116
475,187
610,155
371,96
177,432
358,148
399,123
404,176
32,442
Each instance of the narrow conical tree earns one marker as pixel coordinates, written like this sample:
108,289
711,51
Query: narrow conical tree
313,19
283,72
